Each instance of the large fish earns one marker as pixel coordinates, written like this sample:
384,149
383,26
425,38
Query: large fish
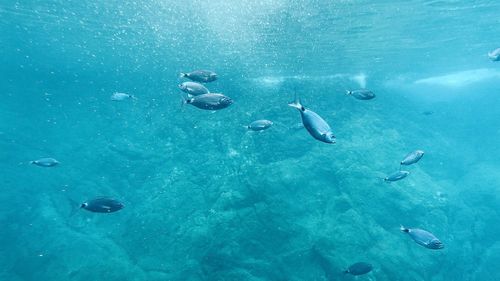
260,125
412,157
359,268
210,101
45,162
398,175
202,76
423,238
361,94
315,125
102,205
193,88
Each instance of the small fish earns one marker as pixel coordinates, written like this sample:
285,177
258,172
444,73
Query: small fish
315,125
210,101
359,268
398,175
412,157
121,96
202,76
102,205
45,162
428,113
361,94
193,88
423,238
260,125
494,55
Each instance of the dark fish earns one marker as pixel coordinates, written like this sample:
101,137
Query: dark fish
45,162
193,88
397,176
260,125
359,268
202,76
428,113
315,125
362,94
210,101
423,238
102,205
412,157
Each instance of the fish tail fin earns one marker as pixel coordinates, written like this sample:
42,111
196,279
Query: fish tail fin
347,92
32,162
296,103
75,206
182,74
186,100
133,97
403,229
345,271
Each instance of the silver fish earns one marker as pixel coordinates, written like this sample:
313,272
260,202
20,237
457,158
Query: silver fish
102,205
361,94
423,238
260,125
193,88
412,157
398,175
45,162
210,101
121,96
494,55
202,76
315,125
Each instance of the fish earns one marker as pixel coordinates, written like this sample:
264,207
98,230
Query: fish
398,175
121,96
423,238
412,157
494,55
359,268
260,125
45,162
102,205
210,101
193,88
361,94
315,125
202,76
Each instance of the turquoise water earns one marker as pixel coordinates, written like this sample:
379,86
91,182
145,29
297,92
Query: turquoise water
208,200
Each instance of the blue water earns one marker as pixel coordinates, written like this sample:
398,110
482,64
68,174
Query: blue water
208,200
